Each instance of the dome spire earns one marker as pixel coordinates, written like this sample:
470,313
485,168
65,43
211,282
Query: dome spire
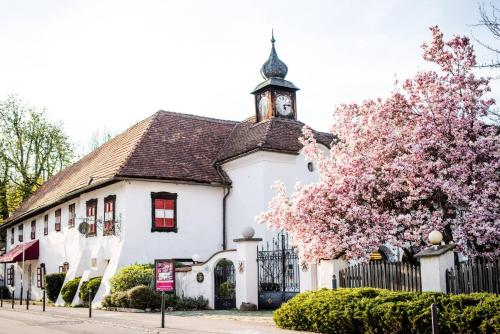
273,67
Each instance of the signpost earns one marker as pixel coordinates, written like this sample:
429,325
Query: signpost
164,282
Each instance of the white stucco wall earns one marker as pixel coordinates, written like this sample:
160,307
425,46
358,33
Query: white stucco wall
67,245
252,177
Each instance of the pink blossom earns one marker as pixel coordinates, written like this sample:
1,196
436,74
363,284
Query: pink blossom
421,160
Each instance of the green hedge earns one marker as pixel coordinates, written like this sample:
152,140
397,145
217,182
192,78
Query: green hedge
53,285
6,292
68,291
142,297
92,284
367,310
132,276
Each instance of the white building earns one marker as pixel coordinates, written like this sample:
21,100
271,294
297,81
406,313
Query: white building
170,186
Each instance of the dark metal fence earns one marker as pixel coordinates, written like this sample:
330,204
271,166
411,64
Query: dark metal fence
477,275
278,273
378,274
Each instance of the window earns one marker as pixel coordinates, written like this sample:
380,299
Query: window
91,217
12,236
164,212
20,233
33,229
46,225
57,225
109,215
71,215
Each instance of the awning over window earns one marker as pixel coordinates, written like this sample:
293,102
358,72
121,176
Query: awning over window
31,251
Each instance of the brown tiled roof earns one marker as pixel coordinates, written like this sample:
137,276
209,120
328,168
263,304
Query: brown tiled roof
169,146
179,147
275,134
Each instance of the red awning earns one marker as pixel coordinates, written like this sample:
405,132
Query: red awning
31,251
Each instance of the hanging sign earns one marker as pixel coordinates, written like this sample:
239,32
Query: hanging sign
165,276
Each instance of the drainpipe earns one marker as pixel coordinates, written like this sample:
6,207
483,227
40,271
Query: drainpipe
224,246
227,188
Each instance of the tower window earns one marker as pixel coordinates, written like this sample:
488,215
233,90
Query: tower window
310,166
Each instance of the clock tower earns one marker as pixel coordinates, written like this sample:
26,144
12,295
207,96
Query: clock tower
275,97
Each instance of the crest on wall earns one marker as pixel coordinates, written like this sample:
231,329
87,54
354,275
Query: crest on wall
241,266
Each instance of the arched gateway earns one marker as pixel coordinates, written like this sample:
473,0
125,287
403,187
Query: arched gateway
224,285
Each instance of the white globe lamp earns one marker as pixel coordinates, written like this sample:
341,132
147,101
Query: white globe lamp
435,238
195,258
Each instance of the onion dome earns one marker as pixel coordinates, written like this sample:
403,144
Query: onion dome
273,67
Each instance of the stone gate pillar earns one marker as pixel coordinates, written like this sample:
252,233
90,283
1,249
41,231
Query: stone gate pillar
246,269
433,264
327,269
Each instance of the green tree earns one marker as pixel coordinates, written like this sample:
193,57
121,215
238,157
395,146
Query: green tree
32,149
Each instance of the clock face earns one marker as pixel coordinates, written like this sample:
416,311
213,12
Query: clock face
263,106
284,105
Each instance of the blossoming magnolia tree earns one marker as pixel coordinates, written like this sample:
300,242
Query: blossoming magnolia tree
421,160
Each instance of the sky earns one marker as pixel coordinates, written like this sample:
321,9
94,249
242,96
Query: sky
100,63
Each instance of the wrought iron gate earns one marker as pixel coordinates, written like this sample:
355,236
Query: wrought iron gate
278,273
224,285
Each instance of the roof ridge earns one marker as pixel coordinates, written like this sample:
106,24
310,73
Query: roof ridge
203,118
217,158
138,142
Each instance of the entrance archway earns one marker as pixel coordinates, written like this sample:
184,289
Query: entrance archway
224,285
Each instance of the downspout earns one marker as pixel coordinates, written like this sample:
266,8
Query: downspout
224,244
227,187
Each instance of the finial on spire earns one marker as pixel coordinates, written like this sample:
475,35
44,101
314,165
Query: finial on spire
273,67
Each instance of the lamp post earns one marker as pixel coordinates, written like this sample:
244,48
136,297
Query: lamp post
22,273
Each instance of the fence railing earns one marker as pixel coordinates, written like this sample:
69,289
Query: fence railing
392,276
477,275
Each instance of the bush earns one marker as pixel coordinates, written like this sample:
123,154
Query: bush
367,310
68,291
6,292
188,303
107,301
53,285
140,297
119,299
87,286
132,276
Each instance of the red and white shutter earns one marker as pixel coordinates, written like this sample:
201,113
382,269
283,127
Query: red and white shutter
164,212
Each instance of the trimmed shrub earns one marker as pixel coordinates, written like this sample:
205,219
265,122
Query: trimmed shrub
107,301
87,286
132,276
53,285
120,299
141,297
68,291
188,303
5,291
367,310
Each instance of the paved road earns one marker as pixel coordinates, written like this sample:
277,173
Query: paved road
58,320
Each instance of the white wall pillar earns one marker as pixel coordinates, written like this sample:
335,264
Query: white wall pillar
308,276
433,265
326,270
246,271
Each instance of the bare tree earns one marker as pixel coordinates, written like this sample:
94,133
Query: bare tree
490,19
